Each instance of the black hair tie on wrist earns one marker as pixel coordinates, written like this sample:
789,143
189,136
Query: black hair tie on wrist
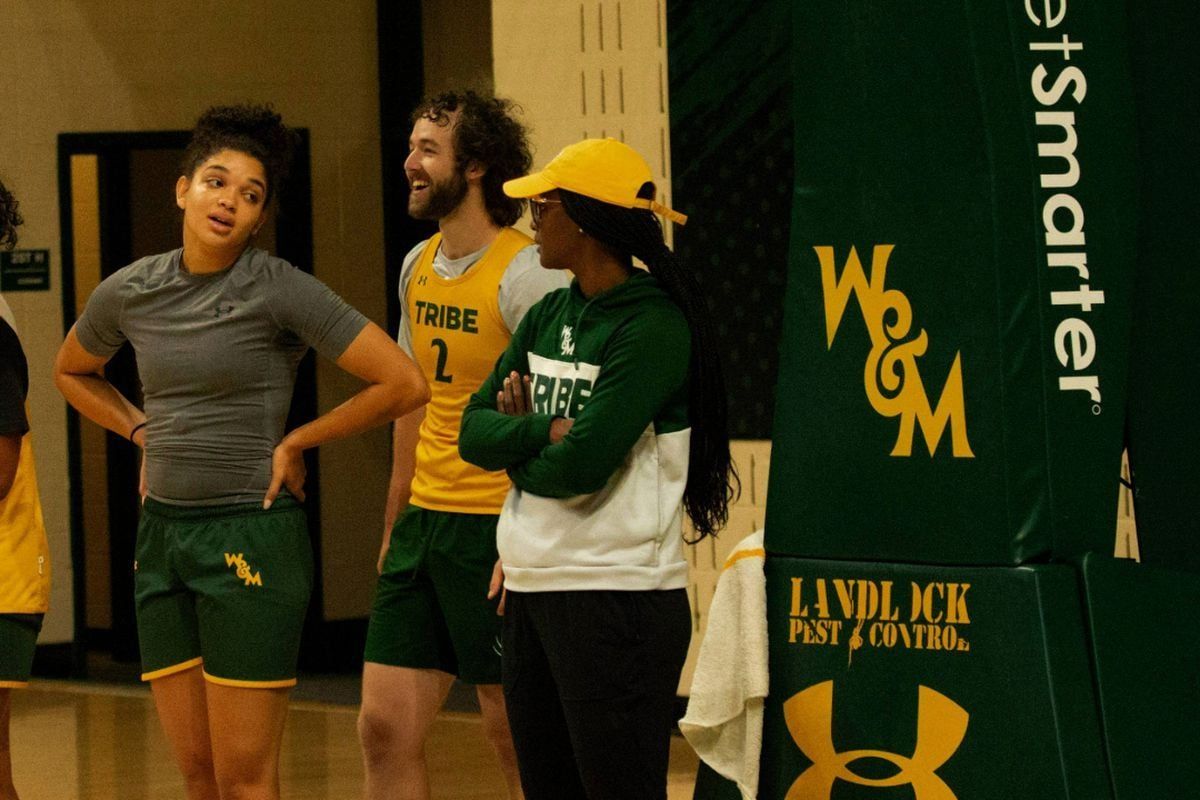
136,428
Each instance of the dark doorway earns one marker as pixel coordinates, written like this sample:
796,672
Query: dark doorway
116,205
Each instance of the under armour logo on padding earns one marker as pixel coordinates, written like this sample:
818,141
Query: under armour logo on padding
941,726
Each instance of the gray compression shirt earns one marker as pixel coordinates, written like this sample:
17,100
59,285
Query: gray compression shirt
217,355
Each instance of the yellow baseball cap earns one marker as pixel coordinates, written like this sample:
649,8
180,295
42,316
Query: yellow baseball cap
602,169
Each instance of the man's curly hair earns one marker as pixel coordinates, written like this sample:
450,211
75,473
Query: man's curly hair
256,130
488,133
10,218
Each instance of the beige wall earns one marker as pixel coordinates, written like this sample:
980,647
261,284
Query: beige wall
588,69
119,65
457,43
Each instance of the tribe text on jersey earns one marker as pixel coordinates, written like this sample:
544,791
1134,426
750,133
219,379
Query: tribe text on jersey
560,388
457,334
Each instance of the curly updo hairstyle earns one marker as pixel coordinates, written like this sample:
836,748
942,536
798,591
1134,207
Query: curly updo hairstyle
487,133
256,130
10,218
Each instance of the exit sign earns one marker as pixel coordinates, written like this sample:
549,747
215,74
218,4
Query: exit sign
24,270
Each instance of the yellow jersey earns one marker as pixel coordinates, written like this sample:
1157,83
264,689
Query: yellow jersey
458,333
24,555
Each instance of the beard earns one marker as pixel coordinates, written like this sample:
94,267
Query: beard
441,198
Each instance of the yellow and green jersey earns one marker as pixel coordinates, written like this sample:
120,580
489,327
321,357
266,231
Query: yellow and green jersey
456,330
24,555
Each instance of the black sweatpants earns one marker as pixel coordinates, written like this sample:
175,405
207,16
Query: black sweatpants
589,681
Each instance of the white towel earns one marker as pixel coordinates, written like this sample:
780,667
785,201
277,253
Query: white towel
725,709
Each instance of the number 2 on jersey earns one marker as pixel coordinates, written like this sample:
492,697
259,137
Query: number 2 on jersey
439,374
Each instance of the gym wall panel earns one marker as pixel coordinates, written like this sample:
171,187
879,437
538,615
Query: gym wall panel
586,70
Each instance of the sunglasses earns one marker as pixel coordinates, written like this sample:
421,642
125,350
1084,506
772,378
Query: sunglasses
537,205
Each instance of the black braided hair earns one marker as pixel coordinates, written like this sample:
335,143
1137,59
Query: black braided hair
256,130
10,219
712,481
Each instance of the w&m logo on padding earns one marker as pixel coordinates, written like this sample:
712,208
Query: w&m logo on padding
243,569
892,379
941,726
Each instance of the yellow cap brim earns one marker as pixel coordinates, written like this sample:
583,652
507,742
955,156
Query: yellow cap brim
529,186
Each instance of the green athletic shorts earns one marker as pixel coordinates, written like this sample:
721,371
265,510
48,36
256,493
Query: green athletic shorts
18,637
431,608
223,586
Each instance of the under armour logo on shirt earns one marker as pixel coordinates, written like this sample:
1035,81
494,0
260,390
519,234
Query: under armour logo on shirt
222,311
421,281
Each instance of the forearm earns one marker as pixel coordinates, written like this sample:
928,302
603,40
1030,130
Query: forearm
404,464
565,470
373,406
98,400
394,388
492,440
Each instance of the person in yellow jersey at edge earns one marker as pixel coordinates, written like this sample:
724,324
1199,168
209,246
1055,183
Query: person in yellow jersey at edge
24,557
462,292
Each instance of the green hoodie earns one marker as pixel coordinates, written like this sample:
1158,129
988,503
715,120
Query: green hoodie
602,508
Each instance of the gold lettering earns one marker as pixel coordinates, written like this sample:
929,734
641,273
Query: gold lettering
814,631
822,599
844,590
891,378
957,602
243,569
797,609
927,602
886,610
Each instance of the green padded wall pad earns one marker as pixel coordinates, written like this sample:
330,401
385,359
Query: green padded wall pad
1146,640
969,683
954,355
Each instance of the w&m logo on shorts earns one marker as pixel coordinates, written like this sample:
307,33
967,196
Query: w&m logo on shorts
243,569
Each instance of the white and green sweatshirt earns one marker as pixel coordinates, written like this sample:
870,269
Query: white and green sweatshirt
602,508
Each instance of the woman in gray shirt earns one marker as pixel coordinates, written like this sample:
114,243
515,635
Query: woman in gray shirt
224,565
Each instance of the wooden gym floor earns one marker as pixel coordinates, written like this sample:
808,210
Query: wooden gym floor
86,741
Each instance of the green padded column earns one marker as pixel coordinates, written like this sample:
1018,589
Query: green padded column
1146,646
932,683
1164,430
955,346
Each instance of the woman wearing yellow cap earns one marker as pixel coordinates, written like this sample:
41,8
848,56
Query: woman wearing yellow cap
608,411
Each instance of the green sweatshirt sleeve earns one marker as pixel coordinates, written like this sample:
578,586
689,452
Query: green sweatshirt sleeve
492,440
645,368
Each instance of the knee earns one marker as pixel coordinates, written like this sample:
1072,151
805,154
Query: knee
383,738
197,768
240,789
247,782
